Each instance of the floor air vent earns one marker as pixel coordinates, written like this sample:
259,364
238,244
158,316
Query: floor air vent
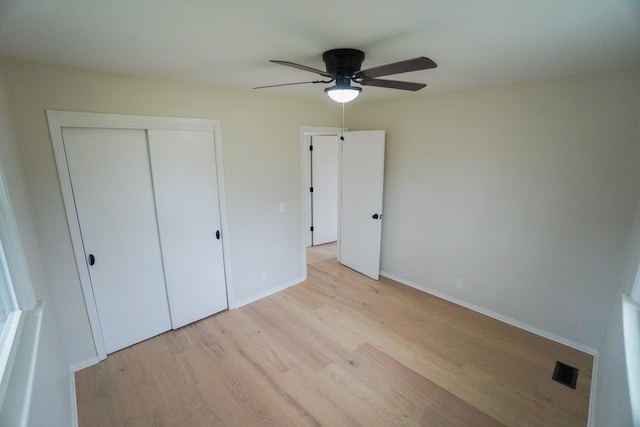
565,374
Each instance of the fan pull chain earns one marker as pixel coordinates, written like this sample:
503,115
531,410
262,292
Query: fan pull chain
342,134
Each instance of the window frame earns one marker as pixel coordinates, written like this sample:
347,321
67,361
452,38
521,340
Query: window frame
635,291
14,268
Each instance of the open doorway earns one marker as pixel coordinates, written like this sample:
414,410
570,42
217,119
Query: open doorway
360,179
321,253
310,253
308,133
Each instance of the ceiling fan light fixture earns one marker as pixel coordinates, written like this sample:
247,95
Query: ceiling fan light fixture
342,93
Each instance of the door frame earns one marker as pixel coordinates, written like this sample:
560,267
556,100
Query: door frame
59,119
306,132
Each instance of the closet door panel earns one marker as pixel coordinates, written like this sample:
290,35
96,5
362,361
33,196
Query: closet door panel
112,189
186,192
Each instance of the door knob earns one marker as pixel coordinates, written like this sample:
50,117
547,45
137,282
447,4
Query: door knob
92,259
376,216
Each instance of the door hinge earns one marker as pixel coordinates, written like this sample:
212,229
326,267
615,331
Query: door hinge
311,228
311,189
311,148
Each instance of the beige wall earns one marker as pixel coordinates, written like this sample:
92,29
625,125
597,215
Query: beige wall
262,166
526,192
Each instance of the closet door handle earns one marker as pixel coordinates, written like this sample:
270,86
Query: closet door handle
92,259
218,234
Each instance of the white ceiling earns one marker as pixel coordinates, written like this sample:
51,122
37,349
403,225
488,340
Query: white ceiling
229,43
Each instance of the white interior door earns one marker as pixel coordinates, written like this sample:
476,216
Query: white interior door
112,188
362,179
186,189
324,180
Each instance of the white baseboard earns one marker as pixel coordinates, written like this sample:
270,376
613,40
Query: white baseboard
508,320
80,365
591,420
74,401
268,292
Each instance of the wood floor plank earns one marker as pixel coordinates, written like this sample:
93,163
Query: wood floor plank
339,349
295,333
328,405
402,387
346,339
265,371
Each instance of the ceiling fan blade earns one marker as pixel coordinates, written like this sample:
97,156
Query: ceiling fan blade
302,67
415,64
291,84
393,84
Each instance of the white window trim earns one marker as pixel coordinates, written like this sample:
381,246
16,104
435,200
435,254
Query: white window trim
631,333
9,340
635,291
19,280
13,250
631,328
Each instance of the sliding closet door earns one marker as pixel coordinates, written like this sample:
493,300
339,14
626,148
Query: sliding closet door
113,192
186,191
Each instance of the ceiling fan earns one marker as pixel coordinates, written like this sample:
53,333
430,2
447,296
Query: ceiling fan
343,67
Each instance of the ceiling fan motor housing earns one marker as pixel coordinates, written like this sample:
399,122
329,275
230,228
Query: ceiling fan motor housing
343,63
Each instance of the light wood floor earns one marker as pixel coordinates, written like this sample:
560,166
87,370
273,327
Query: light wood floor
337,350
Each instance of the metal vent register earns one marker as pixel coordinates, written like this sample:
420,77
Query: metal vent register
565,374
